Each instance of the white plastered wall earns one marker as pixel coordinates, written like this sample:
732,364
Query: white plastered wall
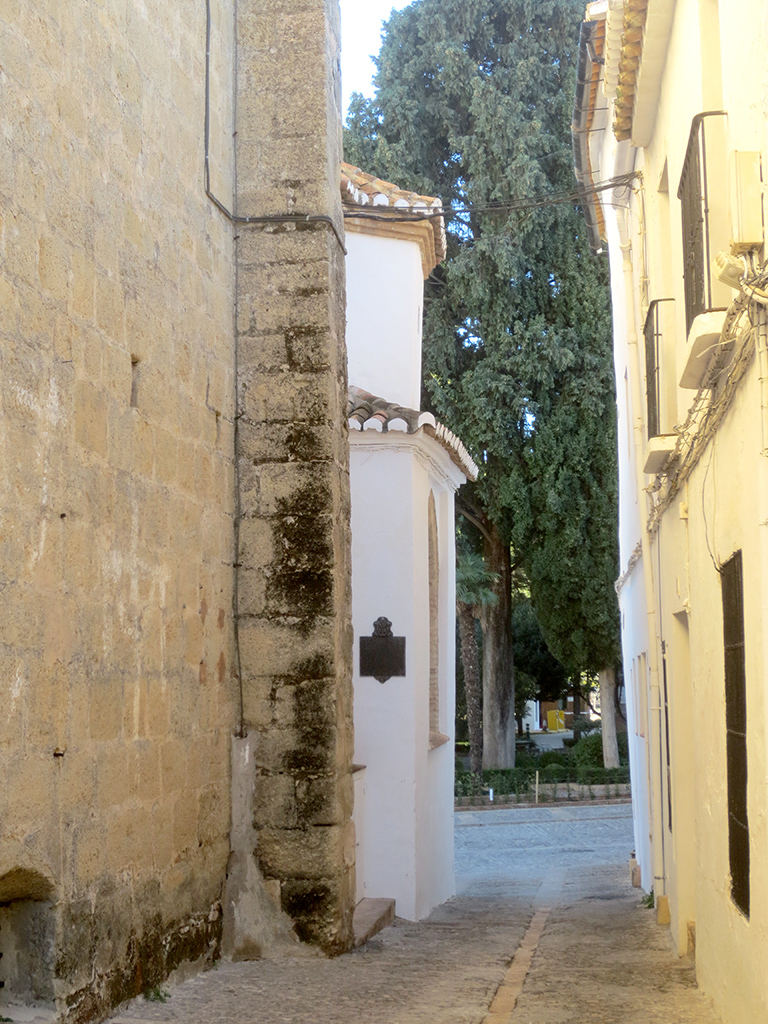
408,787
385,288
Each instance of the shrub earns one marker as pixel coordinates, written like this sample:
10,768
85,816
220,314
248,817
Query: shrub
563,758
589,750
583,724
554,772
589,775
525,759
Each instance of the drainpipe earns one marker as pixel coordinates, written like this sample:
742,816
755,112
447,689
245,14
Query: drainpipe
655,706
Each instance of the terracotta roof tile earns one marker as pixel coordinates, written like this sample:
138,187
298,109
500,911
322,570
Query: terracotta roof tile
625,32
361,189
369,412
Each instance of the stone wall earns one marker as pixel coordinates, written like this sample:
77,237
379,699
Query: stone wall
116,498
119,499
294,575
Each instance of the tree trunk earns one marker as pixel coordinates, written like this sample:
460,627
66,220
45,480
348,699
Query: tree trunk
499,723
472,684
607,677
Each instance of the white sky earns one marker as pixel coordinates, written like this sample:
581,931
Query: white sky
361,22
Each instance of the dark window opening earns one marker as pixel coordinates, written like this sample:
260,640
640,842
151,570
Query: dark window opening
666,734
694,196
652,332
736,728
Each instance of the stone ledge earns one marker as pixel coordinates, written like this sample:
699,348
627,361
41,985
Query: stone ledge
371,915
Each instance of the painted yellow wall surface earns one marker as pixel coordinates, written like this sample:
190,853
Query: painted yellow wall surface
713,59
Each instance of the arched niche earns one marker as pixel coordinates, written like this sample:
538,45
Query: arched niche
27,939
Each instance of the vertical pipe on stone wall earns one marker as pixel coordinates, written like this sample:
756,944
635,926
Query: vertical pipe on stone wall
242,732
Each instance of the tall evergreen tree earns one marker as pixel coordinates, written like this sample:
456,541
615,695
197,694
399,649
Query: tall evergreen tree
473,594
473,104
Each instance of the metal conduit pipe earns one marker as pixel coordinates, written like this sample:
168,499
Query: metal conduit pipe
654,754
252,219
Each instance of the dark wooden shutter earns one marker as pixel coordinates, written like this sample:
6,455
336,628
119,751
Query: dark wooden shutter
736,729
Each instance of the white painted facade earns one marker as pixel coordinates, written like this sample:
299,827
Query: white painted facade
407,844
697,494
385,298
404,740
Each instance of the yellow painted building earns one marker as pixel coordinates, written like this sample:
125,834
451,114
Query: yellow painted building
670,143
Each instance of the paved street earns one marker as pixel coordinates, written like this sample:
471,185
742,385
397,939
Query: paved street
550,884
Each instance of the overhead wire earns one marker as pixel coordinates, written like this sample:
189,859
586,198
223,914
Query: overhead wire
713,399
522,204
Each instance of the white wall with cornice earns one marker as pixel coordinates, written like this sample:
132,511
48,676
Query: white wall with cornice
385,301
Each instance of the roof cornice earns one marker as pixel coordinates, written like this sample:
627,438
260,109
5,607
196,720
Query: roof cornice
376,207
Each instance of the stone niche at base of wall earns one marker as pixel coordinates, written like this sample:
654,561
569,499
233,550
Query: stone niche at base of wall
27,941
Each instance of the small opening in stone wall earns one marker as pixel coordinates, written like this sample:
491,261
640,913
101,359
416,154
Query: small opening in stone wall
27,946
135,381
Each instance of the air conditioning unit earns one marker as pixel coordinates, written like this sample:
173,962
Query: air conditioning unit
746,181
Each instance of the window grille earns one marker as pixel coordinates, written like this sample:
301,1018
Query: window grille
653,332
694,196
736,729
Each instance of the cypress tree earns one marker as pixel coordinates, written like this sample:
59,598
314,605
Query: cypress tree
473,104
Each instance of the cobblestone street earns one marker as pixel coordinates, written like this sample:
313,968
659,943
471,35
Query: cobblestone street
550,884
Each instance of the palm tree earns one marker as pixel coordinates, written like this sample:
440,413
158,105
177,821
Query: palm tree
473,592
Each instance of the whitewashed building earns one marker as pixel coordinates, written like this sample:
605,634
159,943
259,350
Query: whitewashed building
404,471
671,114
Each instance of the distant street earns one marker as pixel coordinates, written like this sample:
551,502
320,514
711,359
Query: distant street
549,884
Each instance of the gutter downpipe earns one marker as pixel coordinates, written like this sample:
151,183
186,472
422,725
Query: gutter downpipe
654,705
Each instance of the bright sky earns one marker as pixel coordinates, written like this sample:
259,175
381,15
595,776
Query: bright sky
361,22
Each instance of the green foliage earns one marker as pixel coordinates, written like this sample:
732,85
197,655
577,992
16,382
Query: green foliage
648,901
519,782
563,758
538,675
583,724
588,752
473,104
157,994
473,580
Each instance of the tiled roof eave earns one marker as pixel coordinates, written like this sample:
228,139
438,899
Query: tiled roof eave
367,412
371,195
630,52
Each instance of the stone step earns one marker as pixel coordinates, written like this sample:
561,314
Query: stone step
371,915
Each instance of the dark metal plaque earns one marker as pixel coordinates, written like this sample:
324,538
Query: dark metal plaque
382,655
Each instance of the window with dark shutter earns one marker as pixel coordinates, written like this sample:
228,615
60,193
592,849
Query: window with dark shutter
695,197
736,729
653,332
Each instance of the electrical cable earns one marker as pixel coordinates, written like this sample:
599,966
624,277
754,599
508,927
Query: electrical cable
738,346
523,204
704,508
250,220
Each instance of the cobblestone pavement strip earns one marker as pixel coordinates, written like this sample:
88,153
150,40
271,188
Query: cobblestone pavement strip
601,957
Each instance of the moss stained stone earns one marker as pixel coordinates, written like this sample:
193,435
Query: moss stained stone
295,628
